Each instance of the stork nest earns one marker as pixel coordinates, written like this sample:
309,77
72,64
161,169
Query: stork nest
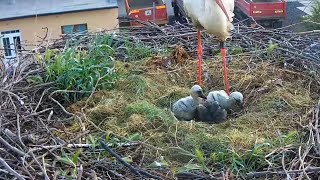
277,129
277,104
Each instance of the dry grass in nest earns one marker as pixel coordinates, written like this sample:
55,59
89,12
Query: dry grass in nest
109,106
179,56
269,94
140,104
136,122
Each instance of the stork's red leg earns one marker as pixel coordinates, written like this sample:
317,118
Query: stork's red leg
199,58
225,70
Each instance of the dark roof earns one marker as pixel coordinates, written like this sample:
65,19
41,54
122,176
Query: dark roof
11,9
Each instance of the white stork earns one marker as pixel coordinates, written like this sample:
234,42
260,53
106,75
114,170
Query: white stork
216,18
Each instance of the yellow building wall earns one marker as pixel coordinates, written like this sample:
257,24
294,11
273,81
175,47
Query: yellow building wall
32,31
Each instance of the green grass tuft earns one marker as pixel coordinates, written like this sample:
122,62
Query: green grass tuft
82,71
137,85
151,111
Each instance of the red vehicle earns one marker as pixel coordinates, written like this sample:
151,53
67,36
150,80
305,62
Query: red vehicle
269,13
146,10
265,12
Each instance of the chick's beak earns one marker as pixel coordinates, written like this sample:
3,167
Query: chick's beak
200,93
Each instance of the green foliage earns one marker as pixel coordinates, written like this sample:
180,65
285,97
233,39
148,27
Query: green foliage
70,160
313,20
189,167
200,156
36,79
106,43
93,141
82,71
66,160
201,159
137,51
236,50
271,48
286,139
84,68
221,155
76,155
138,85
135,137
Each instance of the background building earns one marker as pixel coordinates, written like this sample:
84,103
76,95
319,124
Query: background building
29,22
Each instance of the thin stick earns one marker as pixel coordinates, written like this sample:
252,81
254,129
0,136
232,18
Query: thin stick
19,131
316,127
281,173
284,168
94,175
46,177
9,169
131,168
14,149
302,163
80,171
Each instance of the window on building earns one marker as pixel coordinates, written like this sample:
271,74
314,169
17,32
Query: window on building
6,46
77,28
17,43
11,43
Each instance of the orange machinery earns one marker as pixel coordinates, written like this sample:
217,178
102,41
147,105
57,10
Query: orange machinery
146,10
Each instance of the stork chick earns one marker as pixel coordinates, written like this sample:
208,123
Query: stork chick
225,101
184,108
210,112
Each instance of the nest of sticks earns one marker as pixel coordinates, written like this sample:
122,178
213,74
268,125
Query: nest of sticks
41,137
